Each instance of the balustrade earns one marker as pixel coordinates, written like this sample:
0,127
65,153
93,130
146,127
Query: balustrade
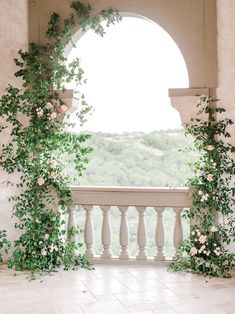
158,199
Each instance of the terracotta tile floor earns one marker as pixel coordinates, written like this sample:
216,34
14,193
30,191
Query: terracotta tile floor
116,290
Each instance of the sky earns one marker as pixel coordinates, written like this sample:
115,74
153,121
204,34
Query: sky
129,72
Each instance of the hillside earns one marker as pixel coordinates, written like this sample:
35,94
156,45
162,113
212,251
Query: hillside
138,159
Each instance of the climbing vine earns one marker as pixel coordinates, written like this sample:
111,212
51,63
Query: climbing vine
213,223
36,117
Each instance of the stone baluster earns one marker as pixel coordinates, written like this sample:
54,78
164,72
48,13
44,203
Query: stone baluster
141,235
159,235
72,225
89,232
124,233
106,233
178,230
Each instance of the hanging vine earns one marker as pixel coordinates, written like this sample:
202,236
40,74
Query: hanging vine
213,223
36,119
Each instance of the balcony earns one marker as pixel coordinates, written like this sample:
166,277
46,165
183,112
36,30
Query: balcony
126,283
157,200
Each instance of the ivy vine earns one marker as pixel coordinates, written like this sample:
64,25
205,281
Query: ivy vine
213,201
36,118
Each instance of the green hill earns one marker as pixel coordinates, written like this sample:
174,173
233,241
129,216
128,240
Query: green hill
139,159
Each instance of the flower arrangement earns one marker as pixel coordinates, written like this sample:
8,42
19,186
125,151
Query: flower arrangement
213,225
37,120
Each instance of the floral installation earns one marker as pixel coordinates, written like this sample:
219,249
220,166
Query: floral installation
37,120
206,251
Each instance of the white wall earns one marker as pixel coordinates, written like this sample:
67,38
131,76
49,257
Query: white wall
13,36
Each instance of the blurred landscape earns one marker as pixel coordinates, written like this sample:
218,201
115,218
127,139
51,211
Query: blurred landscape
139,159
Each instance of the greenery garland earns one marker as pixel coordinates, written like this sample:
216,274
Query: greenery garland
213,225
36,118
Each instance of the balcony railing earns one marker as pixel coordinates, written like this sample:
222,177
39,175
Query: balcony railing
125,197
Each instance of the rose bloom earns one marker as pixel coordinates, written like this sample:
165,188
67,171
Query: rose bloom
53,115
41,181
43,252
214,229
64,108
210,147
202,238
54,175
193,251
210,177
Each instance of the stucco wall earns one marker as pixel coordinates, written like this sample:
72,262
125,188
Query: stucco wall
13,36
226,58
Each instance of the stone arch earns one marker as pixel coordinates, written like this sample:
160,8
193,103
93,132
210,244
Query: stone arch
191,24
165,36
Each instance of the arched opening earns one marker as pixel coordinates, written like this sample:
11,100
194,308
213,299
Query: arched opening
129,72
136,133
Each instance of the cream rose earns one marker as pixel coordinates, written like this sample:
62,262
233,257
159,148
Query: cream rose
41,181
210,177
193,251
210,147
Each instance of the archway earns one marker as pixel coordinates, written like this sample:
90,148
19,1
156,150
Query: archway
130,84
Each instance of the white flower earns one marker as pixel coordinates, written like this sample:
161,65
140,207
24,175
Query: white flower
193,233
41,181
198,233
217,253
63,108
214,164
43,252
214,229
210,147
63,240
54,175
210,177
49,105
56,248
204,197
53,115
202,239
46,237
201,249
51,248
40,113
193,251
200,192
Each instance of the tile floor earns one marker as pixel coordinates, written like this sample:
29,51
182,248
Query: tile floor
116,290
